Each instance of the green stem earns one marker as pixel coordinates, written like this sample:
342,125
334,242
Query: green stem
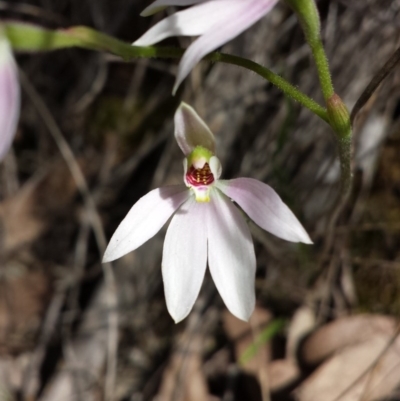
287,88
307,13
322,64
26,37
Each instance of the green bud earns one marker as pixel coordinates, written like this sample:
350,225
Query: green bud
339,116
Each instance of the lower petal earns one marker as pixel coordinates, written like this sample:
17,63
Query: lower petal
231,256
145,219
185,258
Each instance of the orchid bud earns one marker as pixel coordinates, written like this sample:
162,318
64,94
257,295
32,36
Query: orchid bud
9,95
339,116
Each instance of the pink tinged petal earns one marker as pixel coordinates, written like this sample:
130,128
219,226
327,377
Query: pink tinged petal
193,21
264,206
9,97
235,16
185,258
161,4
231,256
191,130
145,219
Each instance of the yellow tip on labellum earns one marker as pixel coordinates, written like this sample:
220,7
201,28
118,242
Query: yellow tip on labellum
202,194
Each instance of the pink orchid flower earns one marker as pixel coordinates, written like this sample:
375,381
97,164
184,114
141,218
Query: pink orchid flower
206,225
215,21
9,96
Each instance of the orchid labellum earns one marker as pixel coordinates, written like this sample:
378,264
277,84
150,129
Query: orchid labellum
206,225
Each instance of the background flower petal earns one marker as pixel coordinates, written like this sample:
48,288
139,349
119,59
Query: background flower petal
235,16
231,256
185,258
159,5
191,130
9,96
145,219
264,206
193,21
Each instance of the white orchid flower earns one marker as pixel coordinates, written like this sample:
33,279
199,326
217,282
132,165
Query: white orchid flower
215,21
9,96
206,225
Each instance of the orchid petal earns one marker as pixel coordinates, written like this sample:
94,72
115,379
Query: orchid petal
159,5
264,206
193,21
191,130
235,16
145,219
215,167
9,96
185,258
231,256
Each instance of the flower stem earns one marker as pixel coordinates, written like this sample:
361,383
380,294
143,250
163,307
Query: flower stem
287,88
322,64
27,37
307,12
380,76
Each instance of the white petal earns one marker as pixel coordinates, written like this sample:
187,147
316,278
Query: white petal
264,206
9,97
185,258
193,21
231,256
235,16
191,130
161,4
145,219
215,167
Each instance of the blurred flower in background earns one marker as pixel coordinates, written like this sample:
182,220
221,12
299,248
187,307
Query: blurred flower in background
206,225
215,21
9,95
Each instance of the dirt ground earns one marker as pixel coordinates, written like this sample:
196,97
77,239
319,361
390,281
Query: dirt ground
96,134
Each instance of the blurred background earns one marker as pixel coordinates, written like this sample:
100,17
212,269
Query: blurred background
96,134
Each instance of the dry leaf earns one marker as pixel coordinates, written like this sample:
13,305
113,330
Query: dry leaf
353,375
20,223
282,374
344,332
23,296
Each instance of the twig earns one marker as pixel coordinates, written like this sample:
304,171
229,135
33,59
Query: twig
96,225
31,384
346,167
375,82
